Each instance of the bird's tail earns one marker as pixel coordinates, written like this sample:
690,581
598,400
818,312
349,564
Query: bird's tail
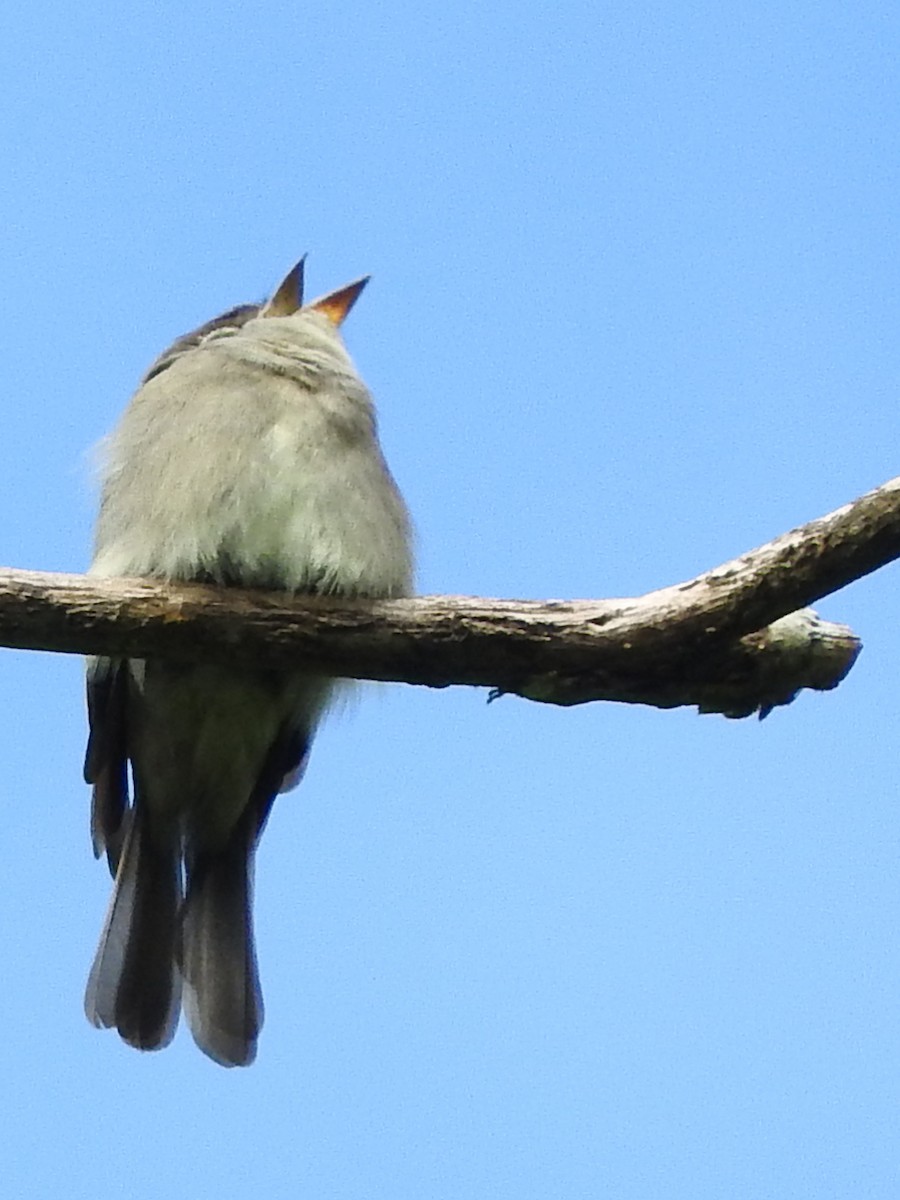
134,984
222,995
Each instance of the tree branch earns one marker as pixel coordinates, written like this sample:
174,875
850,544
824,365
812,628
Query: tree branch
717,641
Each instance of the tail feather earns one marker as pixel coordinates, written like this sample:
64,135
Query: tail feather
134,984
222,995
156,945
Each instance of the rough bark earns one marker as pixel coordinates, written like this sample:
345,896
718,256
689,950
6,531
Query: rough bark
717,641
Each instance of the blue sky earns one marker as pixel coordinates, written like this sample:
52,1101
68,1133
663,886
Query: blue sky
634,310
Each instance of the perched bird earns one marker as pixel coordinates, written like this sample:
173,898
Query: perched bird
248,456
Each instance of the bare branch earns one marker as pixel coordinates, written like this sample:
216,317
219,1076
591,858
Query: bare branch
716,641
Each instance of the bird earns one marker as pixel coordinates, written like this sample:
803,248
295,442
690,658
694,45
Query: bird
248,456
